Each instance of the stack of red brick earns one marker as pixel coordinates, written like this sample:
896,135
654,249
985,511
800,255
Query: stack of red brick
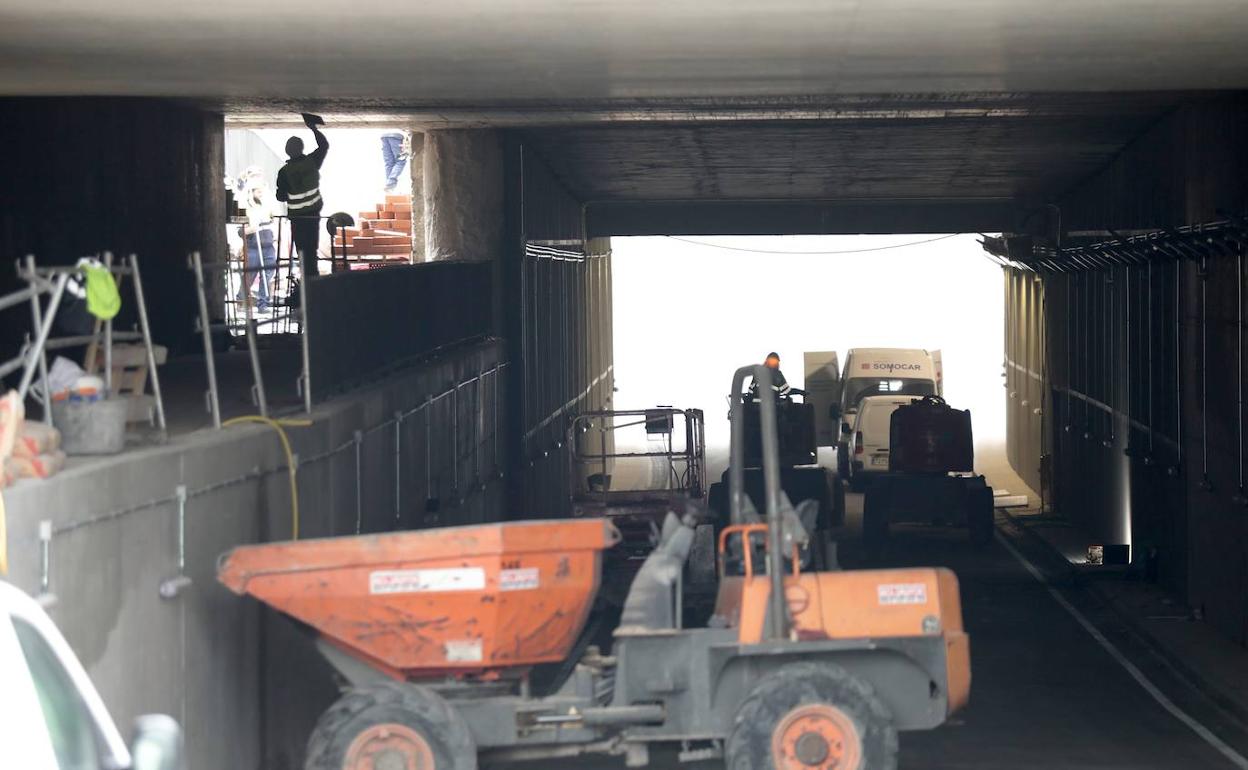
383,234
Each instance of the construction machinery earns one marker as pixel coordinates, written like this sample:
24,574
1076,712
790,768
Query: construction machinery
440,634
633,467
801,476
930,478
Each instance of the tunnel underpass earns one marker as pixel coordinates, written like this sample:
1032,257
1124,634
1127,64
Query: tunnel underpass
1095,156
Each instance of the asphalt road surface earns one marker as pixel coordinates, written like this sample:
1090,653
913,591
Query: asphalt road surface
1045,693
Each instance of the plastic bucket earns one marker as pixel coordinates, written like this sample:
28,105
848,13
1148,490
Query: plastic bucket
91,427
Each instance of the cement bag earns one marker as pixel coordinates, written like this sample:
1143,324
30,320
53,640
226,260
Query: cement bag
929,436
39,467
36,439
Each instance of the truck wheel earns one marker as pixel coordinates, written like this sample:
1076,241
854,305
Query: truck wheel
838,503
842,461
874,520
391,725
700,564
812,715
979,514
857,482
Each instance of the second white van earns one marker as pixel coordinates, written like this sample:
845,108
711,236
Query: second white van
869,441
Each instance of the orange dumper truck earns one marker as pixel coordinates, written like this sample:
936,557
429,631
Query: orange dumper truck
441,634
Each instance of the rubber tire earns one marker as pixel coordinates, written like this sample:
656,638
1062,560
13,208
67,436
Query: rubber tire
749,743
838,503
842,460
415,707
875,520
857,483
980,508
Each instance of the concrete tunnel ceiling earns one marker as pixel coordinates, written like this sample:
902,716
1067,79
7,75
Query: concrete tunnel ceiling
961,117
508,52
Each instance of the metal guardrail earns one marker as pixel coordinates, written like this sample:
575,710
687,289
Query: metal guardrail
482,475
685,463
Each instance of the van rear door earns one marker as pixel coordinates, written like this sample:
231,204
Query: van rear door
823,390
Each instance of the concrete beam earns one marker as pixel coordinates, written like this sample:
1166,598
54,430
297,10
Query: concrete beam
463,194
605,218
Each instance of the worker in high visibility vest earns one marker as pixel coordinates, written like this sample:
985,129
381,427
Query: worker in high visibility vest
299,186
778,383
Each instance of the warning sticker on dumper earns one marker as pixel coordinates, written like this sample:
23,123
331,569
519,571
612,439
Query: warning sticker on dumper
410,581
902,593
463,651
522,579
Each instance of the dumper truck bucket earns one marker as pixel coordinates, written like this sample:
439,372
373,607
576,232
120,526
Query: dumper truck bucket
472,601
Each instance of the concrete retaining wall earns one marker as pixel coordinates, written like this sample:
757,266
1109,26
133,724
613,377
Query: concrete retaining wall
246,684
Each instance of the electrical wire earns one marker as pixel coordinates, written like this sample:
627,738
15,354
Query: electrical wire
280,426
812,253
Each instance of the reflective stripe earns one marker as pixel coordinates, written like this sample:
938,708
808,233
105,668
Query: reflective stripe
303,205
304,195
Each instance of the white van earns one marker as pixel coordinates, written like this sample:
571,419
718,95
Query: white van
869,442
882,372
51,717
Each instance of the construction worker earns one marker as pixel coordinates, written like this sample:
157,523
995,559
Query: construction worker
299,187
778,383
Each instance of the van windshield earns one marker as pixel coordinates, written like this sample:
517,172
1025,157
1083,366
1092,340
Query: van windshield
859,388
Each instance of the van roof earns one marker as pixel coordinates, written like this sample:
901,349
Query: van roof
889,353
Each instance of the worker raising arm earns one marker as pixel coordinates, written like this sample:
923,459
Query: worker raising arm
299,186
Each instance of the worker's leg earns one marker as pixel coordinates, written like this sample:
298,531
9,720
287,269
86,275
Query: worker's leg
268,263
391,147
306,234
250,267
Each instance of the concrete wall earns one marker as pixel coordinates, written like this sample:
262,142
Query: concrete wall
1027,440
463,194
558,311
126,175
246,684
1146,366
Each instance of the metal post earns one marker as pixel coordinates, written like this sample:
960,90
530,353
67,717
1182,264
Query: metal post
108,333
455,441
170,588
214,397
35,355
305,384
257,390
36,314
146,328
476,431
428,447
778,626
398,467
359,482
497,469
45,556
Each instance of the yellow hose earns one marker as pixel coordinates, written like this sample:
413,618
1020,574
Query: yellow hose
276,425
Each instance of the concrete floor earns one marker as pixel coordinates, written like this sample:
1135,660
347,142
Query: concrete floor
1045,694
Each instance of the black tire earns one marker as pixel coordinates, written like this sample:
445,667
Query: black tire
979,514
717,501
875,520
799,685
411,707
842,461
857,483
838,503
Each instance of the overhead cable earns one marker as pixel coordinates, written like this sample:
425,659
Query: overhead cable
812,253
